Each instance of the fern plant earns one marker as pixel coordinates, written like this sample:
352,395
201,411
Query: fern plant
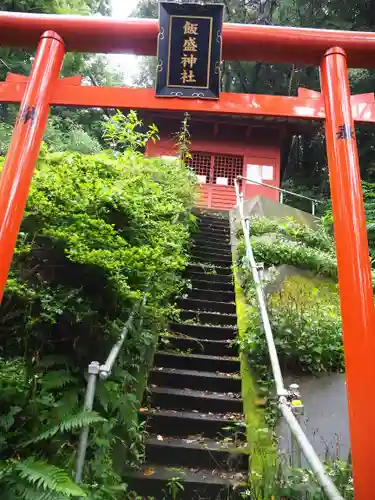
31,479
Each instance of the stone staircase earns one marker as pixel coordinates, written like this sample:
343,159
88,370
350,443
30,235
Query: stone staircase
194,419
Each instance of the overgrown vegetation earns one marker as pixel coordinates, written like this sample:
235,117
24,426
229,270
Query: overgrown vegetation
99,232
304,309
368,190
284,482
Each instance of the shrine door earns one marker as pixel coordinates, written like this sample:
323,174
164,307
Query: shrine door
216,174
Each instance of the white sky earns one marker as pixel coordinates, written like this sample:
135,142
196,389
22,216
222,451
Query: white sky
121,9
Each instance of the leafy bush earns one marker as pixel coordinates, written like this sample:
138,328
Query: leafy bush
288,242
306,323
369,203
98,233
369,199
305,314
74,139
317,238
284,482
71,138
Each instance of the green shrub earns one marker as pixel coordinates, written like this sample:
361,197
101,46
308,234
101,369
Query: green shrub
98,233
305,314
285,482
318,239
306,324
72,138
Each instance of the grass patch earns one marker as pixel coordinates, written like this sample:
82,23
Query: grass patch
259,437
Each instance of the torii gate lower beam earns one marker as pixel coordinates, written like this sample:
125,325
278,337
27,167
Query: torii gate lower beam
307,105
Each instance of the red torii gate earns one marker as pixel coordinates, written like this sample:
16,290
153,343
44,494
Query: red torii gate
332,50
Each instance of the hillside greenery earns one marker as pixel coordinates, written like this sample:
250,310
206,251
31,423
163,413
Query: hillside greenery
99,233
304,309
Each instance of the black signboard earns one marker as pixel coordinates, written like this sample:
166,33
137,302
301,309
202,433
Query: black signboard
189,50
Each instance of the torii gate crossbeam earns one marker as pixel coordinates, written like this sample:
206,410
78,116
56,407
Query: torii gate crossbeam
241,42
333,51
308,105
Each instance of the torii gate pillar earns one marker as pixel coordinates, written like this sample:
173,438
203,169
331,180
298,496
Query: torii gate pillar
354,270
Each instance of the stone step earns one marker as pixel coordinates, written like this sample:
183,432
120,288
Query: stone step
196,452
216,221
200,275
209,270
209,318
218,262
192,379
215,258
212,237
175,423
191,399
210,222
212,295
152,482
203,331
199,362
203,284
207,228
207,305
199,346
212,249
212,240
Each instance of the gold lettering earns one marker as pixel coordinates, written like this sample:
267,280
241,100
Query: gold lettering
188,76
190,29
188,60
190,45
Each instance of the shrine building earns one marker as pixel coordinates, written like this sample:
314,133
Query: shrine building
224,148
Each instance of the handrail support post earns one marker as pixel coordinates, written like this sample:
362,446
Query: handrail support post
93,372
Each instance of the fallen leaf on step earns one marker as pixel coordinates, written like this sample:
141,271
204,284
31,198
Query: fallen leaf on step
160,438
148,472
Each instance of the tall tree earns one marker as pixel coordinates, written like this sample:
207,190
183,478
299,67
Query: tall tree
67,129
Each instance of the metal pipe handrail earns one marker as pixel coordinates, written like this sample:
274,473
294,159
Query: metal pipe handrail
282,191
277,375
96,370
282,393
106,369
279,189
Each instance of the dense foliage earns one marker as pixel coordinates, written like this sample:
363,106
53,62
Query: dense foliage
99,232
369,203
304,310
283,482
